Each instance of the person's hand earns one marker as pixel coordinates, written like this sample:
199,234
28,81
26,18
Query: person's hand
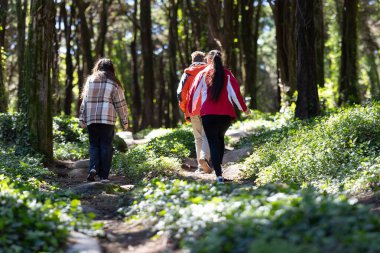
82,124
247,112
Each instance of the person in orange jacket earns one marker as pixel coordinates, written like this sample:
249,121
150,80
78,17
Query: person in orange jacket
201,144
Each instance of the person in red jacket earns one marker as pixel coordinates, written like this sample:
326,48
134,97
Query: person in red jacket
216,90
201,144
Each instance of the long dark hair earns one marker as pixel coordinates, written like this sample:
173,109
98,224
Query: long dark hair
103,69
218,74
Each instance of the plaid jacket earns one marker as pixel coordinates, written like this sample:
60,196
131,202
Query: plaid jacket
101,102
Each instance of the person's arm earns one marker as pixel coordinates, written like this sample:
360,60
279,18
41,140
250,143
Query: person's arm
120,105
82,114
234,93
181,85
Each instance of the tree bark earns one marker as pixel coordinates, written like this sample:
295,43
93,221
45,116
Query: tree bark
249,34
222,35
147,54
3,24
284,17
99,49
173,37
348,78
319,42
69,62
135,88
21,7
38,79
307,101
85,36
371,47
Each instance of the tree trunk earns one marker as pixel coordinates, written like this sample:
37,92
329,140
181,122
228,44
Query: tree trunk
99,49
249,35
173,37
38,79
319,42
135,88
370,49
307,101
348,78
284,17
69,62
85,36
147,54
21,7
3,20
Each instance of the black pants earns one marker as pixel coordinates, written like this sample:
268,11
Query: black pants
101,150
215,127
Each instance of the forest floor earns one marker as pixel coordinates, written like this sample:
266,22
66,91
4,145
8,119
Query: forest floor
103,200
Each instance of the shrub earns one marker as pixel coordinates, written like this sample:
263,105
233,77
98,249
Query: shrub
32,221
67,129
214,218
329,152
140,163
14,132
179,143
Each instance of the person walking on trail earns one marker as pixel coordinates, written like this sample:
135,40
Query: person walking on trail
184,87
103,97
216,89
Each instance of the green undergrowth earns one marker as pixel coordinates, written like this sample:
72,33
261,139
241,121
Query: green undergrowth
34,218
273,218
337,152
161,156
35,215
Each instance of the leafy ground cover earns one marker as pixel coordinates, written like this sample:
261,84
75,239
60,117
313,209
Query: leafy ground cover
273,218
35,215
338,152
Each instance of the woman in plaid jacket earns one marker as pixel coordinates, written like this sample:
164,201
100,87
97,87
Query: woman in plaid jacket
103,98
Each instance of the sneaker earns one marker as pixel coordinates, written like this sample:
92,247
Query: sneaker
199,171
220,180
91,175
204,164
104,180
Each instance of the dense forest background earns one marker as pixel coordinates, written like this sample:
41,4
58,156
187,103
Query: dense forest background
316,55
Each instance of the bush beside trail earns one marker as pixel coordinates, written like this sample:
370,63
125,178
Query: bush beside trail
335,153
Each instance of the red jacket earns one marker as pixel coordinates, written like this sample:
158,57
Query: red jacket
185,84
200,102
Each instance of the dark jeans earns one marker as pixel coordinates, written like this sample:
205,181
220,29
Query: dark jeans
215,127
101,150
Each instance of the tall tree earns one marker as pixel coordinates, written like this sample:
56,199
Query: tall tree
21,7
3,24
222,34
147,54
173,37
307,101
348,78
371,47
136,107
68,23
284,17
38,80
319,42
99,49
85,36
249,34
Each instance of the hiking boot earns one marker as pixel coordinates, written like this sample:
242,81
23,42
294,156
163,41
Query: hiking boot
220,180
91,175
204,164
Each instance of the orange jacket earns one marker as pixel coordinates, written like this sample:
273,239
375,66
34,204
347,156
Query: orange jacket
185,84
